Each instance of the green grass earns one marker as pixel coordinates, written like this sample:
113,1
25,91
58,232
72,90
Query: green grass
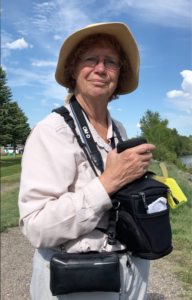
9,209
10,180
181,224
10,174
10,165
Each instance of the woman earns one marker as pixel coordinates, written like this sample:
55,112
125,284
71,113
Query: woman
61,201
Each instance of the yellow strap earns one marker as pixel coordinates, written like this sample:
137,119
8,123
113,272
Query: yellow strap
164,170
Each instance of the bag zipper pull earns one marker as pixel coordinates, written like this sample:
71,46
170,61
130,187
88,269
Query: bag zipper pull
175,200
117,216
144,201
63,250
111,229
120,294
129,263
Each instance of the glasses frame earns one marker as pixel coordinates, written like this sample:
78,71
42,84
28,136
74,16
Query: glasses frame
98,61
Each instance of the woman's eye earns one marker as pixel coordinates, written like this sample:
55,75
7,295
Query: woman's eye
111,62
91,59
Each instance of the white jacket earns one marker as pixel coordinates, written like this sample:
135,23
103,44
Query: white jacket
60,199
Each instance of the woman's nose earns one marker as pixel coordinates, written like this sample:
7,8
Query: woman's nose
100,67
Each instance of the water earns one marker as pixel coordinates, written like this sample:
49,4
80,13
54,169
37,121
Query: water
186,160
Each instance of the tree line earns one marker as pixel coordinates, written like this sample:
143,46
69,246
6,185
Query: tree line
170,145
14,126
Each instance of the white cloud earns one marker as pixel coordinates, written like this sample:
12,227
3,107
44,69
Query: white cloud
56,104
187,110
138,125
3,67
14,62
29,97
61,17
44,63
57,37
173,13
44,102
174,93
50,89
18,44
119,109
182,99
23,32
187,81
109,107
5,38
186,86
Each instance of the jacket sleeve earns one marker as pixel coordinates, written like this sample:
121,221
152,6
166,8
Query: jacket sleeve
51,211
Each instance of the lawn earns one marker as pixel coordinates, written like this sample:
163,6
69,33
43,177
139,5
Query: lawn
10,174
9,209
10,165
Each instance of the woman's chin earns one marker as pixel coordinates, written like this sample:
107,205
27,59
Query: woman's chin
99,92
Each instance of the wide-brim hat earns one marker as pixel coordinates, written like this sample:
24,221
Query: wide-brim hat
125,39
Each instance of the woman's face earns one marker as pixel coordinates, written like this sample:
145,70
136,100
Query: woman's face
96,81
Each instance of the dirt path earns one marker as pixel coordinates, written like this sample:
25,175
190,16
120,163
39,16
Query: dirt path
10,187
16,270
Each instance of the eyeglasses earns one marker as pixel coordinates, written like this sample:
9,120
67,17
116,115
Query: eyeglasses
92,61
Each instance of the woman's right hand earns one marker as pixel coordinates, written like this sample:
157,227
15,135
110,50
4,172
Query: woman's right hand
125,167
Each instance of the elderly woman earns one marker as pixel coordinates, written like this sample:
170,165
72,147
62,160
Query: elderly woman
61,200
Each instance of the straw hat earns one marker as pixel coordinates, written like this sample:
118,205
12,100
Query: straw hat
122,34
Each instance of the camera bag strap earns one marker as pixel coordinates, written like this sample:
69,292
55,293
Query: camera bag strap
89,147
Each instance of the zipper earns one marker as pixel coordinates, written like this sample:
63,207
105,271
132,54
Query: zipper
111,229
174,199
142,194
128,263
71,255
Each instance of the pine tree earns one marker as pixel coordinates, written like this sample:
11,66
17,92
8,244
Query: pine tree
5,91
14,126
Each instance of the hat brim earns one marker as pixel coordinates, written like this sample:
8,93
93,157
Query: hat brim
122,34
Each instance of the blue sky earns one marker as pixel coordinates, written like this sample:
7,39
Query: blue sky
33,32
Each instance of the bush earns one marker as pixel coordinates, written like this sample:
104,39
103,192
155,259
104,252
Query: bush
161,153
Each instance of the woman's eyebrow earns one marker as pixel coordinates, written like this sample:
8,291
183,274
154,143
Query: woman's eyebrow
111,56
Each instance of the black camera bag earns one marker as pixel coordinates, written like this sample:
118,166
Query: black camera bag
145,235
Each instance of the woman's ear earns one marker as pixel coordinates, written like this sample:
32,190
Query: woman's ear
73,75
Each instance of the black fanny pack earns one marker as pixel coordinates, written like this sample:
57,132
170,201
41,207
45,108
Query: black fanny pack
85,272
145,235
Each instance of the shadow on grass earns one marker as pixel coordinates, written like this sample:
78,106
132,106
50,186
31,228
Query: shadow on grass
8,162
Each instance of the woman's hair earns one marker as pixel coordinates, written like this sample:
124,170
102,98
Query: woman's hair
97,40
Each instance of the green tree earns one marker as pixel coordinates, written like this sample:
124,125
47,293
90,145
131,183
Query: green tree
161,135
14,126
186,148
176,141
149,120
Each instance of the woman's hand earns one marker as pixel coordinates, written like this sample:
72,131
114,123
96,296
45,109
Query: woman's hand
125,167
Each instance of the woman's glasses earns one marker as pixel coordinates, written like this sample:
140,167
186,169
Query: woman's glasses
92,61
